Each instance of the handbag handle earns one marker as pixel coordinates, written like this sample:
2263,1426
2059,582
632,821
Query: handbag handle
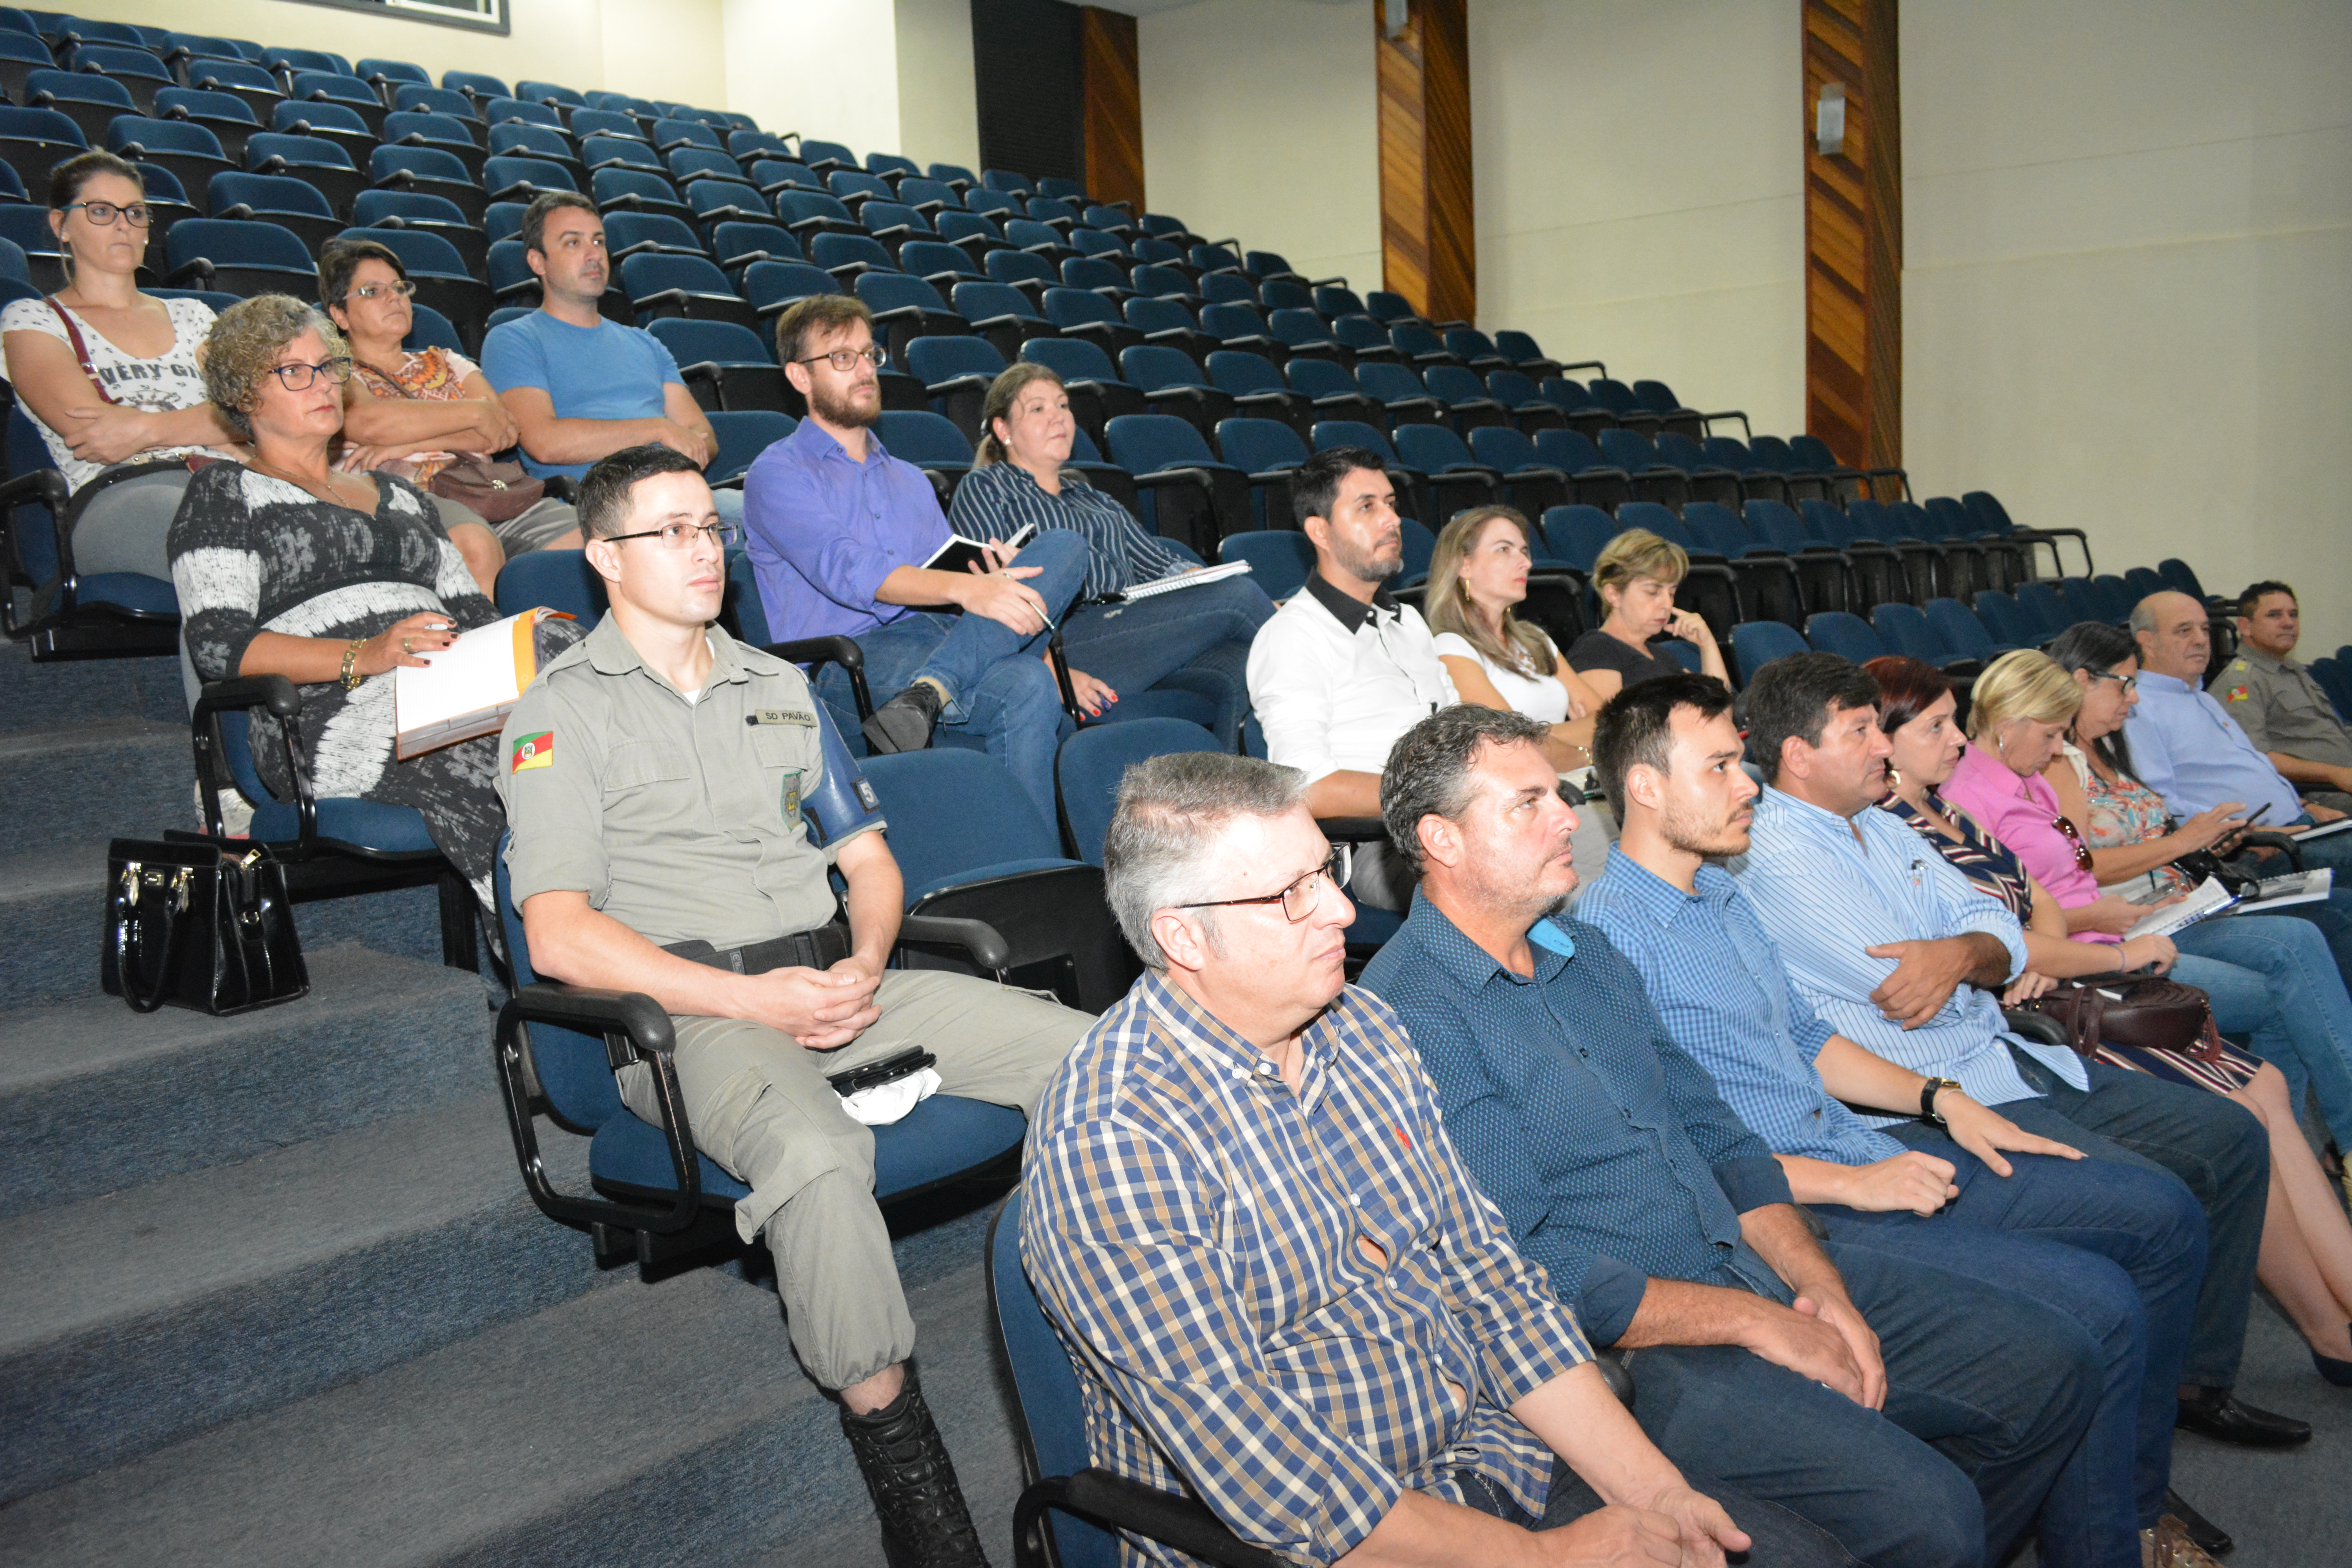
128,945
80,348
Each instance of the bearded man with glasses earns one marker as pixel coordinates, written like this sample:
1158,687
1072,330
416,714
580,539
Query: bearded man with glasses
678,800
840,535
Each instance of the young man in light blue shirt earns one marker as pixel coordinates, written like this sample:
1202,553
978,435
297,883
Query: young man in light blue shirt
2118,1248
582,387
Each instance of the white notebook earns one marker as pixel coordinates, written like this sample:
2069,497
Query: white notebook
2207,898
2294,888
467,689
1188,580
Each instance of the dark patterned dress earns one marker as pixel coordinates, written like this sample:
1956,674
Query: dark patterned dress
1996,871
251,553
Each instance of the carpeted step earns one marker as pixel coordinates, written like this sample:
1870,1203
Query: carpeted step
37,696
94,1097
126,778
136,1319
640,1425
52,902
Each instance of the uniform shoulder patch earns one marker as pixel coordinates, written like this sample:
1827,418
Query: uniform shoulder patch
2237,694
534,750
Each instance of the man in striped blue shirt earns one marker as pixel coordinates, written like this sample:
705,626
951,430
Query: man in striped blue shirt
1895,951
1669,755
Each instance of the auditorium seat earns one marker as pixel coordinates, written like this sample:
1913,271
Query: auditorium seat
956,371
999,313
295,205
726,365
440,132
1266,450
431,171
1188,495
1755,644
244,258
687,286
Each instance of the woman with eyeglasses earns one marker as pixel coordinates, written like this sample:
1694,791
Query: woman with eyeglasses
2281,990
109,374
285,565
414,411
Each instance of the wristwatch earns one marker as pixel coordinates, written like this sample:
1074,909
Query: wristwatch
1928,1093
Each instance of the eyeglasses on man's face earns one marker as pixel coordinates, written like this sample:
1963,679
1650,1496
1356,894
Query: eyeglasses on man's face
682,535
298,376
103,213
847,359
400,286
1300,898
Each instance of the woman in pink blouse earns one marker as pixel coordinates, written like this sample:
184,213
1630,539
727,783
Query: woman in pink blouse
2020,709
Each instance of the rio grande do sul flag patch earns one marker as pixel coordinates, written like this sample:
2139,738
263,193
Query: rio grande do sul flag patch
534,750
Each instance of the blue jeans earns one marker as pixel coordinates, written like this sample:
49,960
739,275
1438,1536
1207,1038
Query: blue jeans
2286,995
2216,1148
999,688
2118,1248
1988,1392
1133,647
1777,1539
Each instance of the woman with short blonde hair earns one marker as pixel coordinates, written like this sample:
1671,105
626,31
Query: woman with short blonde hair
1476,574
2022,687
1635,574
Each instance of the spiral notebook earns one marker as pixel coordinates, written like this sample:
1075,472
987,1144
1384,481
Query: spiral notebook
1187,580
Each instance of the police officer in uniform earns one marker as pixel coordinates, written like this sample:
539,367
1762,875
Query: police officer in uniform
660,779
2283,709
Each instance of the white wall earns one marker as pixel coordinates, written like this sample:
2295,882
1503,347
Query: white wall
2128,303
939,104
821,67
1259,121
1640,173
653,48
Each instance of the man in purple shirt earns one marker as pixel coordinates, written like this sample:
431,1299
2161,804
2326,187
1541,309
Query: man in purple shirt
838,530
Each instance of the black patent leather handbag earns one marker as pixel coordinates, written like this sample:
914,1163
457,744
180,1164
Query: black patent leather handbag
198,925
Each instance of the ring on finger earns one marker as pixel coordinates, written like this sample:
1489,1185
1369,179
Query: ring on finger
407,644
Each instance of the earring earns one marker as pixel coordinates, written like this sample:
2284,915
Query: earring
1894,777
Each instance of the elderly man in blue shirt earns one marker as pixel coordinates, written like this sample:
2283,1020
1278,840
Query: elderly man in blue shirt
1861,1390
838,530
1938,1184
1898,953
2186,748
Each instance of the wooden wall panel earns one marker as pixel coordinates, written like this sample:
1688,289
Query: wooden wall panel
1429,247
1853,236
1113,106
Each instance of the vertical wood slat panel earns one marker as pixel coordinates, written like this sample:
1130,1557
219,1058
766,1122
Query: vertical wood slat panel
1429,250
1853,235
1112,106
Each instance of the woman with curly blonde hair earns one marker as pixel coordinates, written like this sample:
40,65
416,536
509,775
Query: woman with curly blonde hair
286,566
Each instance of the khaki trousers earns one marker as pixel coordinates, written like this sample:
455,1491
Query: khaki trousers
760,1108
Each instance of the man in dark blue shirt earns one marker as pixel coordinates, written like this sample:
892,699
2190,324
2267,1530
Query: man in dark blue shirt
1843,1383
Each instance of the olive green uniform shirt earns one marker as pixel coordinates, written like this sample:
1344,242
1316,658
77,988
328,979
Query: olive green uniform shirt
680,818
2282,709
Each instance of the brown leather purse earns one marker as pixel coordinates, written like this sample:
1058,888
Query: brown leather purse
2152,1013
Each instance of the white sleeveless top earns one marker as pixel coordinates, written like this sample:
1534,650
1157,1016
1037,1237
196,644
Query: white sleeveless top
170,381
1543,699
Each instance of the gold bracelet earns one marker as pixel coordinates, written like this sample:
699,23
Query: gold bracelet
351,677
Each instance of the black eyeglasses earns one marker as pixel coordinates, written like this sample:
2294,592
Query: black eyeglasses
298,376
103,213
682,535
846,360
1299,899
2073,836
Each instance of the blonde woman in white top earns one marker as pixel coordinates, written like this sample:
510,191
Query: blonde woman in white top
1478,572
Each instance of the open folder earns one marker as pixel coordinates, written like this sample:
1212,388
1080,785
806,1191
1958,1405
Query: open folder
467,689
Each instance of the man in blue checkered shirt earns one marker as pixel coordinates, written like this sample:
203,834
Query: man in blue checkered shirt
1669,757
1863,1391
1283,1292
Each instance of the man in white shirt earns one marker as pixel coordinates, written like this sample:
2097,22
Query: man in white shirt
1342,670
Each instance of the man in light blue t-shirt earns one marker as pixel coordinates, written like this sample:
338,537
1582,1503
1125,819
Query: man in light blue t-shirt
582,387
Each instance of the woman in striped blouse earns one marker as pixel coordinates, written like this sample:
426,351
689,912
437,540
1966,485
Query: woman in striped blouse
1019,477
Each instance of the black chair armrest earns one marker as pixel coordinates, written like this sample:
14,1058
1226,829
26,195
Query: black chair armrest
284,701
2036,1027
2284,842
563,487
198,266
988,950
1115,1503
1354,829
1160,479
841,650
275,692
636,1030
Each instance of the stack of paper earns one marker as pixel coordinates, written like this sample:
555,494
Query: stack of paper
467,689
2294,888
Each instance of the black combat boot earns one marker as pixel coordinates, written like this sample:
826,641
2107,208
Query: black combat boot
924,1521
